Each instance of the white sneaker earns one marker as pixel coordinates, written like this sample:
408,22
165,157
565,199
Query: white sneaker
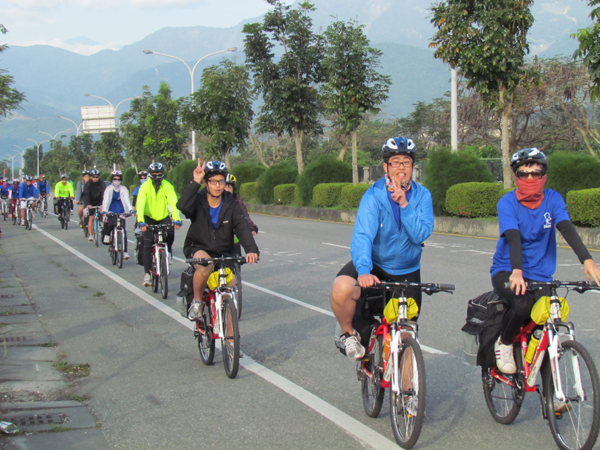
194,311
90,238
504,358
354,349
106,239
125,256
147,280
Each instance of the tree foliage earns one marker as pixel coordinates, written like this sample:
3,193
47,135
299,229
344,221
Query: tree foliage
589,47
10,98
109,149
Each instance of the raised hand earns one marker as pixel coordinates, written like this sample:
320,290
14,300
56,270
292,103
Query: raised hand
199,172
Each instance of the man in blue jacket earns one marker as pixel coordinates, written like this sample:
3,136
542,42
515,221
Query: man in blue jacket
394,217
27,191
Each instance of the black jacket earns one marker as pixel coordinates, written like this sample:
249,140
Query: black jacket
93,193
201,236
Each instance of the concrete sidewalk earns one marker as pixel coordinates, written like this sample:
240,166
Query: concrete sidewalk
34,394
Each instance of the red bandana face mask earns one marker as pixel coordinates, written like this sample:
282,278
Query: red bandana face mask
530,192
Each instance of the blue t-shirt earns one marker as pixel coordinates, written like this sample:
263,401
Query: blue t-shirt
538,236
214,215
116,205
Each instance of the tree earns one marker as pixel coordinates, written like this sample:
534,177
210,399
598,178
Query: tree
354,88
221,109
81,149
134,129
291,103
486,41
109,149
589,47
428,124
30,159
10,98
58,160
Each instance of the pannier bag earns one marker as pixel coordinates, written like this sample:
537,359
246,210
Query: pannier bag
186,292
482,327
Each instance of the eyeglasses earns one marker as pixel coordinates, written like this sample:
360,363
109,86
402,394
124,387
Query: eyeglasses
396,164
216,182
117,179
535,174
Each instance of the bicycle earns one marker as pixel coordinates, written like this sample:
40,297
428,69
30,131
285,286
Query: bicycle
570,392
43,205
117,239
237,272
96,227
219,319
65,213
4,207
403,371
29,213
159,272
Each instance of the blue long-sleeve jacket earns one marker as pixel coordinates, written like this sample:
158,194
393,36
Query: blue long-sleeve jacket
4,190
43,186
378,240
27,191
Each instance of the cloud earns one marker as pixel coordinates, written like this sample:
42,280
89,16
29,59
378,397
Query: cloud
82,49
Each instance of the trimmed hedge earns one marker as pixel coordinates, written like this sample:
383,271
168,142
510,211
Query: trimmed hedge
285,194
248,192
584,207
572,172
280,173
324,169
181,175
471,200
129,176
351,195
247,173
326,195
503,192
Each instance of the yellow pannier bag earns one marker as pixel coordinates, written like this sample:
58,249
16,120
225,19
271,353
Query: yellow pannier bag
213,280
541,310
390,312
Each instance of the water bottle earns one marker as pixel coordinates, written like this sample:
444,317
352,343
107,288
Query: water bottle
386,346
533,345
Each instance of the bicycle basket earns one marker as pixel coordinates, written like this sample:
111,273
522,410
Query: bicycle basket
541,310
213,280
390,312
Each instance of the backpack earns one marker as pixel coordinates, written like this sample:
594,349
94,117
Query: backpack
186,292
484,322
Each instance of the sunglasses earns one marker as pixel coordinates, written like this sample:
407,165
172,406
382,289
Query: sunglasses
535,174
95,176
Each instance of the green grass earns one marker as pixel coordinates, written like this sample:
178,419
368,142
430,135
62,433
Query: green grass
98,294
60,428
79,398
51,343
80,370
83,286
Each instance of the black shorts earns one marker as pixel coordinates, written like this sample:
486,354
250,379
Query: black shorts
193,250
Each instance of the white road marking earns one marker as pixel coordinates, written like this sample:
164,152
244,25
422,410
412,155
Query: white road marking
335,245
366,435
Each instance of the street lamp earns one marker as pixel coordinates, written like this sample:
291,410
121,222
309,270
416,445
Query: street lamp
22,152
73,122
13,164
191,71
52,138
115,107
38,153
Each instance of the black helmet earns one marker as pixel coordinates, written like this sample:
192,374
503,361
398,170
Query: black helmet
399,145
215,168
94,172
85,172
529,156
156,167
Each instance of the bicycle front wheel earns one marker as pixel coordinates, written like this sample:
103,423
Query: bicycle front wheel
372,392
574,422
206,342
96,231
237,270
154,272
164,274
407,406
230,338
120,246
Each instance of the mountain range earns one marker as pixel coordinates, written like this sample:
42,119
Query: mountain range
54,80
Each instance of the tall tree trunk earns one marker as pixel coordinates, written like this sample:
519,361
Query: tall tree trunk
298,136
226,158
342,154
506,111
354,157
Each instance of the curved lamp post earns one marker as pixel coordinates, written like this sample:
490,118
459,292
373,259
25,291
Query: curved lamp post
115,107
73,122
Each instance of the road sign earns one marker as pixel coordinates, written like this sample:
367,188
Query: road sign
98,119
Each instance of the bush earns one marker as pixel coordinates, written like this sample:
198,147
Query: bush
247,173
248,192
352,194
75,174
280,173
503,192
285,194
473,199
105,176
181,175
325,169
584,207
572,172
445,168
130,176
328,194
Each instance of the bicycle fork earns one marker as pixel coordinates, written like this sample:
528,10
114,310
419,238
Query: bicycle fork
396,352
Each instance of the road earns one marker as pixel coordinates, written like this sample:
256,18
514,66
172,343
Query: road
149,389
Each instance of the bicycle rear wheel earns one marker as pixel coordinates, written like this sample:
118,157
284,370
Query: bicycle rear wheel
574,423
120,246
230,338
237,270
164,274
372,392
66,219
504,401
407,407
206,342
29,219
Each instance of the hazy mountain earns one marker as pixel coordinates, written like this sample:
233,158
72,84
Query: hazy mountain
55,80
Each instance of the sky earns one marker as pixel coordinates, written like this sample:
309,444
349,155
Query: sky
111,24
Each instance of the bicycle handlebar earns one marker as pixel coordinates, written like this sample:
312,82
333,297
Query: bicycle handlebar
579,286
206,261
428,288
111,214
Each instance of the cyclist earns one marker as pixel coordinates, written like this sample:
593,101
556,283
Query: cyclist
13,195
43,187
85,177
215,218
152,201
526,250
116,200
62,190
93,194
27,191
230,186
394,217
143,176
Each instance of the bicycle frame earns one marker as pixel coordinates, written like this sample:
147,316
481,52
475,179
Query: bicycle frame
158,247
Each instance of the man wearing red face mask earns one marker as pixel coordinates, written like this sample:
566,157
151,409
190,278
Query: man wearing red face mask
526,250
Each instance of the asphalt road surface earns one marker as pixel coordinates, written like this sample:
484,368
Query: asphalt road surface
149,389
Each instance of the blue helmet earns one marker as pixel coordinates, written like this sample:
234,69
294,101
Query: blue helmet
398,145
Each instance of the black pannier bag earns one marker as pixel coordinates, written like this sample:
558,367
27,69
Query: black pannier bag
186,292
482,327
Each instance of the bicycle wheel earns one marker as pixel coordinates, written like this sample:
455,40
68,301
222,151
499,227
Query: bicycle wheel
164,274
15,217
29,219
206,343
504,401
112,251
97,231
230,338
372,392
119,238
237,271
407,407
576,427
